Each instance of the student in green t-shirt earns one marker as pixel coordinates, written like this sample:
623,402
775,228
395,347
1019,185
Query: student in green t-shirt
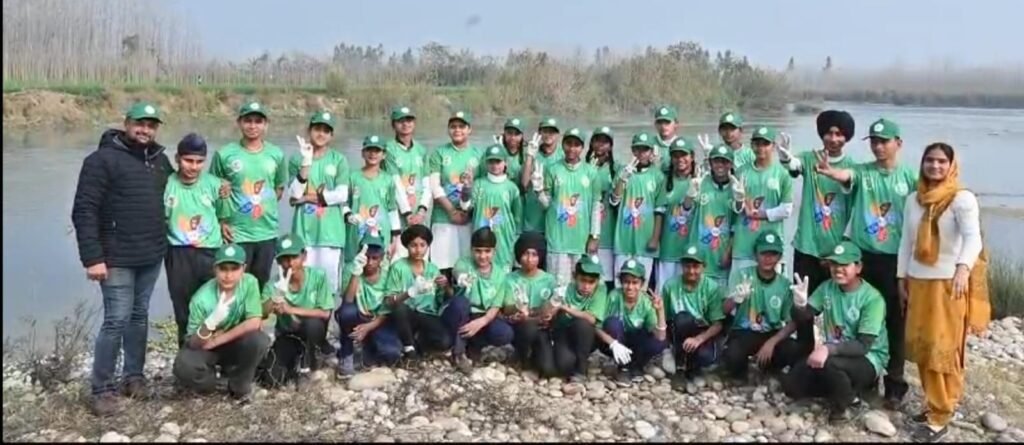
637,319
495,203
879,192
601,154
406,159
542,150
634,194
302,301
671,218
513,140
258,173
472,313
730,129
524,297
451,167
760,302
666,123
855,349
192,206
318,189
371,209
713,215
570,197
824,208
578,311
415,292
693,304
363,316
224,329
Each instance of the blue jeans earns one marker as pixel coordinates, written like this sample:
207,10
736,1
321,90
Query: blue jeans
381,346
684,325
497,333
126,293
642,342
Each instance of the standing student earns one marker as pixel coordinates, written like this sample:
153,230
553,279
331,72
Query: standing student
763,198
494,203
942,277
571,199
406,159
713,215
671,218
879,191
693,305
513,141
542,151
363,316
318,190
578,312
372,210
730,129
635,190
451,167
192,206
666,123
824,208
257,172
415,292
600,154
524,296
637,319
119,222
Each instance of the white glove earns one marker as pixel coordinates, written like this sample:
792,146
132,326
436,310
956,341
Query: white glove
537,180
560,290
306,150
621,353
421,286
498,140
533,148
694,191
785,155
739,189
742,290
281,285
705,144
520,295
799,289
629,170
220,313
354,219
465,280
359,262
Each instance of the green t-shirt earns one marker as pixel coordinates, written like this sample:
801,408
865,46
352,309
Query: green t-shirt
513,165
742,157
193,210
483,294
574,191
597,304
876,221
316,293
766,188
246,305
641,316
713,219
635,224
823,202
662,148
255,179
370,296
533,211
846,315
496,204
536,289
316,225
410,165
450,163
767,308
401,277
608,215
373,199
676,225
703,302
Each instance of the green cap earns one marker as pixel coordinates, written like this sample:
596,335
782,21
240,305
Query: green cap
884,129
322,117
229,253
845,253
731,118
693,253
634,268
606,131
642,140
590,264
685,145
665,113
252,107
575,133
143,110
768,241
514,122
764,133
373,141
494,152
548,122
372,241
289,245
463,116
722,152
401,112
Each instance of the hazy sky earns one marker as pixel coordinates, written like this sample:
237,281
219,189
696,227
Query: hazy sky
861,33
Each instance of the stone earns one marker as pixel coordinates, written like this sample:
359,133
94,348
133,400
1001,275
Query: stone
170,429
795,422
572,389
740,427
419,421
343,417
113,437
383,439
720,411
993,422
604,434
644,429
716,433
689,427
823,436
488,374
877,422
450,424
776,425
376,378
596,390
587,436
656,372
736,414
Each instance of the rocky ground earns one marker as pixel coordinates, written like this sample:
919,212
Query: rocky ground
430,401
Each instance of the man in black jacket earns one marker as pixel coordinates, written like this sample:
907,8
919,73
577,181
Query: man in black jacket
122,239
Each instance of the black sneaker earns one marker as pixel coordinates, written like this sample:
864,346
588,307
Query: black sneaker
925,434
622,378
679,381
837,415
463,364
636,375
326,348
919,418
893,403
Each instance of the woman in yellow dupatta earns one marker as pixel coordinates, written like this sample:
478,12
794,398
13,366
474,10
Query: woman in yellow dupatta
942,271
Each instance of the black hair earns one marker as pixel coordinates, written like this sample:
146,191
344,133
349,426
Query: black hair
329,128
578,270
374,249
611,153
483,237
670,180
946,148
416,231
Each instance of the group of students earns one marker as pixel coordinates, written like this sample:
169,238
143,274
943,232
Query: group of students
556,250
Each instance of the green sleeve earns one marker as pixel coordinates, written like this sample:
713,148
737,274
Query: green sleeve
324,297
463,265
253,305
872,316
294,164
600,307
346,276
714,309
389,200
786,186
817,299
434,162
217,166
549,181
268,291
221,206
661,200
855,173
196,314
505,297
343,170
281,176
393,283
651,317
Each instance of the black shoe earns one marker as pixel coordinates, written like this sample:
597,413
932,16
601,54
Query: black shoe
326,348
622,378
926,434
842,415
893,403
475,354
679,382
919,418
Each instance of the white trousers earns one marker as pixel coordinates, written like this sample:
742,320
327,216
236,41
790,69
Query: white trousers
607,258
562,265
667,270
328,259
451,242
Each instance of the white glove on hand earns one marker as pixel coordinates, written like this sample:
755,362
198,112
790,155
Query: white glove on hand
465,280
629,170
537,180
621,353
306,150
560,290
739,189
220,312
705,144
354,219
799,289
419,287
281,285
742,291
694,191
785,155
533,147
359,262
498,140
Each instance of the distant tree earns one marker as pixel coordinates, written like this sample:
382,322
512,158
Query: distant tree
828,64
792,64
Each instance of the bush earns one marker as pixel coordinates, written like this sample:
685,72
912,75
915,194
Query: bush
1006,287
72,338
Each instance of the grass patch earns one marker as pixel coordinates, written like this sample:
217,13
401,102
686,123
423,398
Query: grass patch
1006,287
49,366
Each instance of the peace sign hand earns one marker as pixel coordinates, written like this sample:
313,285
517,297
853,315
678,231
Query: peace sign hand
742,290
739,188
799,288
785,155
534,146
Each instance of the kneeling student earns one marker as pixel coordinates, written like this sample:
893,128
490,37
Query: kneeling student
637,320
694,304
363,316
414,292
524,297
224,329
855,348
580,308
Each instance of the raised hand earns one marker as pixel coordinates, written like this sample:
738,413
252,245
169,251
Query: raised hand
306,150
785,154
498,139
823,165
359,262
705,144
354,219
537,180
281,285
799,288
629,170
739,188
533,147
219,313
656,300
698,176
743,290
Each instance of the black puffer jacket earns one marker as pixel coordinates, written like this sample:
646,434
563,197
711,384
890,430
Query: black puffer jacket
119,210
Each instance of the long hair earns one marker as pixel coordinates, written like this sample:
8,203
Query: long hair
611,154
670,181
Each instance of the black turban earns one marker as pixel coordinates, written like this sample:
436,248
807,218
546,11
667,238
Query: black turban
836,118
192,144
531,240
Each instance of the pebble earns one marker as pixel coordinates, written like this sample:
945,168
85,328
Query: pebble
689,427
716,433
604,434
776,425
740,427
878,422
993,422
376,378
170,429
114,437
645,429
165,438
823,436
736,414
720,411
572,389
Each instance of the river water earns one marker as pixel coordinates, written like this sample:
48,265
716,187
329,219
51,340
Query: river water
43,278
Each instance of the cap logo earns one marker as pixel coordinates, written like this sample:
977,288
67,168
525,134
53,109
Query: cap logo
575,132
630,263
494,150
663,111
150,110
762,131
286,243
230,251
721,150
680,143
594,259
254,106
770,238
326,116
515,121
460,115
551,122
374,139
692,250
878,127
643,137
405,109
840,250
605,130
728,118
